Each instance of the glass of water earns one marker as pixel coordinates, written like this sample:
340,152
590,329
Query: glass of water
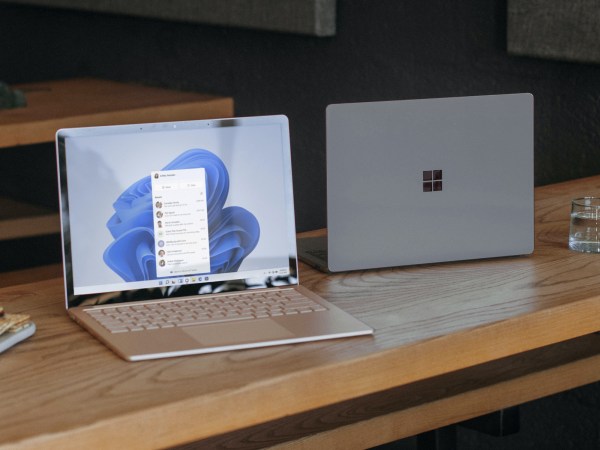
584,235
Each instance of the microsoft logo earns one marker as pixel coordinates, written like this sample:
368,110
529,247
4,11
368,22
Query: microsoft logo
432,180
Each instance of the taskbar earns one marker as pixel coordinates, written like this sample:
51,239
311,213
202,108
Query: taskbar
182,280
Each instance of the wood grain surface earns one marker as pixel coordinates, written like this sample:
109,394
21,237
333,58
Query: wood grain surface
91,102
65,390
418,407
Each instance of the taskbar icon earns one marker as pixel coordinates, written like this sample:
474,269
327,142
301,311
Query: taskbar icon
188,280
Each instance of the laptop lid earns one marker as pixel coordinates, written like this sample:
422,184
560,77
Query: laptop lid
422,181
173,209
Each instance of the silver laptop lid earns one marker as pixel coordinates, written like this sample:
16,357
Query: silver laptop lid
173,209
421,181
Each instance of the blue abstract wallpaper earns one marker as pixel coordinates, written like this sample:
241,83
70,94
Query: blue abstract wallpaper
233,231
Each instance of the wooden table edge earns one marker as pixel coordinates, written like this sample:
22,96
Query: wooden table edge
474,403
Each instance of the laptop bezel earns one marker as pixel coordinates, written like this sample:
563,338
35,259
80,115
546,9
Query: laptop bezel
145,294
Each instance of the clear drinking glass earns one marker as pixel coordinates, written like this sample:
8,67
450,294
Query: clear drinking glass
584,235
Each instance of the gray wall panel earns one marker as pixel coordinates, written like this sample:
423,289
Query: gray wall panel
313,17
555,29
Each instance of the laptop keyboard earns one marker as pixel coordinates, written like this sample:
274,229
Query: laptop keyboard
201,310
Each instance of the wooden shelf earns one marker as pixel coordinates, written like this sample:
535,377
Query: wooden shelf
90,102
87,102
20,220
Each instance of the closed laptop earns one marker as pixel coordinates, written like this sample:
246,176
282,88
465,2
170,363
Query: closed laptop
426,181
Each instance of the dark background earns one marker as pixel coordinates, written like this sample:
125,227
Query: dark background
383,50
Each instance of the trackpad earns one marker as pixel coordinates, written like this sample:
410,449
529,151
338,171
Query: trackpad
238,332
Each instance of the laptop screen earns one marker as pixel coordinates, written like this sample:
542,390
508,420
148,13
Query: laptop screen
172,209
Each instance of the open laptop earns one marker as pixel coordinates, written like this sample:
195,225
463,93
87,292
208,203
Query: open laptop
179,238
425,181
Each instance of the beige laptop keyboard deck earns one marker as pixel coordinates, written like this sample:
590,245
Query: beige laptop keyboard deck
203,310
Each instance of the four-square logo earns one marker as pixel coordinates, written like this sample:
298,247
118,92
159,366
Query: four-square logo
432,180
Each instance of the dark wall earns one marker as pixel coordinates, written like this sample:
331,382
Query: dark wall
383,50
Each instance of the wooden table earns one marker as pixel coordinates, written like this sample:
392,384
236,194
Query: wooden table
86,102
452,341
